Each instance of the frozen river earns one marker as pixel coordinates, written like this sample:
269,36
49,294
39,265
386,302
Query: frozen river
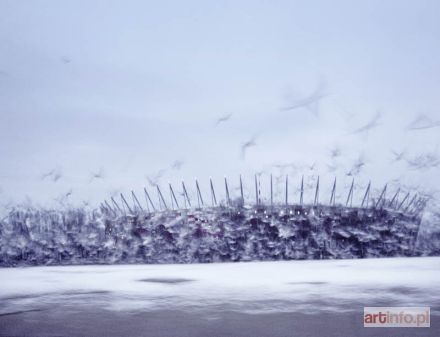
288,298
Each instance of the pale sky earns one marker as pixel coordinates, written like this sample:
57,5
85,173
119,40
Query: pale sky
126,88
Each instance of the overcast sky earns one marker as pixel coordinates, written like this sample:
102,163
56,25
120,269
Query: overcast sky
98,96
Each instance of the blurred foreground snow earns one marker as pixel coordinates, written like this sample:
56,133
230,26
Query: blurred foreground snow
253,287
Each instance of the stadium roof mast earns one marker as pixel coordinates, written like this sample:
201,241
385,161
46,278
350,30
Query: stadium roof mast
136,201
126,204
350,195
259,190
301,196
185,195
366,197
382,197
271,192
103,207
287,190
333,196
241,191
173,197
394,199
161,198
116,204
228,199
213,198
108,205
199,195
316,201
411,202
256,191
403,201
148,199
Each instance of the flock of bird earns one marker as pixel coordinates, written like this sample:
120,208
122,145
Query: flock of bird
421,161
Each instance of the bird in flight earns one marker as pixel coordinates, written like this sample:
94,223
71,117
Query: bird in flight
398,156
312,167
223,119
335,152
53,175
424,161
177,165
423,122
96,175
154,180
246,145
65,60
373,123
357,167
310,102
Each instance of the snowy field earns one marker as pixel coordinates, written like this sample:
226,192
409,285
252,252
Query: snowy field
249,287
208,291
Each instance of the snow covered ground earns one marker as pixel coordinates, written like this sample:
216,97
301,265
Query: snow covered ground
253,287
